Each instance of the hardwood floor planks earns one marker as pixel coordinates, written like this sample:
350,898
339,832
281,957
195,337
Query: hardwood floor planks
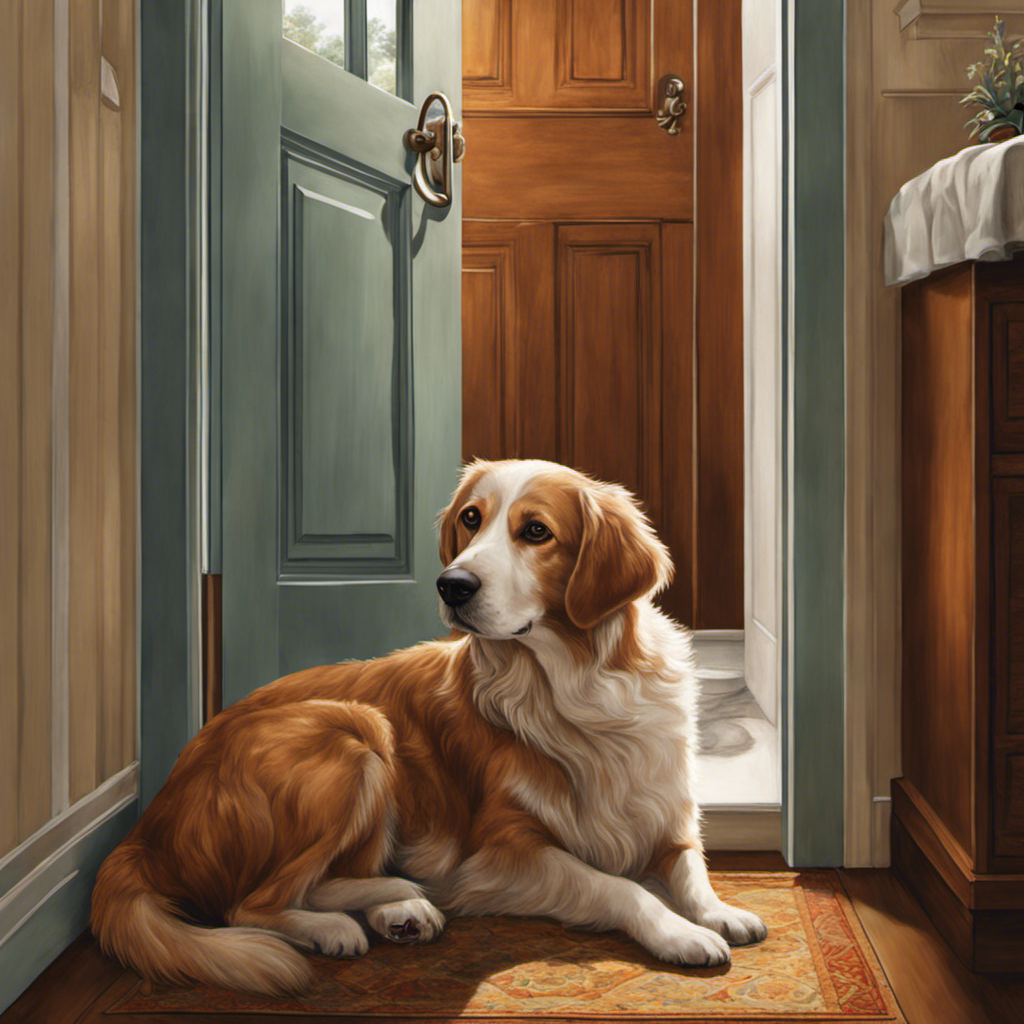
931,984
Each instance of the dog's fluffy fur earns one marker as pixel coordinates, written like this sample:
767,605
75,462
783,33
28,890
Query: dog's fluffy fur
538,761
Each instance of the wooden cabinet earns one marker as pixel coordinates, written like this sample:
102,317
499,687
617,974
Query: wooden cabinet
958,810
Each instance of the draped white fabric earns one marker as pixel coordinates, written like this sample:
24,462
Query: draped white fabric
967,207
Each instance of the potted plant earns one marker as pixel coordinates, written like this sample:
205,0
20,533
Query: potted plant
999,91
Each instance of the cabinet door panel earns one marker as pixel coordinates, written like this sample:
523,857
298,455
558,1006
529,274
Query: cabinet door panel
1008,604
1008,821
1007,319
1008,665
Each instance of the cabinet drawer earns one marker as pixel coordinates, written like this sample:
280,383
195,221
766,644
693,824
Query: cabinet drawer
1007,325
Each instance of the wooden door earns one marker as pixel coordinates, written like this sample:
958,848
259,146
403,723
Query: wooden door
763,344
339,301
578,274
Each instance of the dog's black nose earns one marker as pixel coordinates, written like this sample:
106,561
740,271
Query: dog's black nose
457,586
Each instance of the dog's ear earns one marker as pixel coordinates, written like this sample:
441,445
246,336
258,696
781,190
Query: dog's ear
447,521
620,558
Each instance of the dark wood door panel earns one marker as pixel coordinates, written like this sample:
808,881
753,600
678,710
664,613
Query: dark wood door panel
486,51
508,341
489,360
609,349
678,444
571,54
621,167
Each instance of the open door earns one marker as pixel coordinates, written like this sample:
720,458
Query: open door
762,275
336,307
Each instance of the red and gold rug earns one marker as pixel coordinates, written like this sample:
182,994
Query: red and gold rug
816,965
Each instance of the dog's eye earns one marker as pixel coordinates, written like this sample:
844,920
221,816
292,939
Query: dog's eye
536,532
471,517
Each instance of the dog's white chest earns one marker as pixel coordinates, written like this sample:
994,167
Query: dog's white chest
628,793
624,740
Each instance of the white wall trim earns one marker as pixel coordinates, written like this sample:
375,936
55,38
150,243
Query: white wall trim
719,635
28,913
765,78
745,827
60,781
23,863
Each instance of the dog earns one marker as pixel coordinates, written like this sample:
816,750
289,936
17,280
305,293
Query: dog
538,761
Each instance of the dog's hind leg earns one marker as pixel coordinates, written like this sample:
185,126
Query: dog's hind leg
329,776
395,907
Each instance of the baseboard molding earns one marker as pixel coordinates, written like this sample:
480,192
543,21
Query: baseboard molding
61,911
734,636
980,916
85,814
742,827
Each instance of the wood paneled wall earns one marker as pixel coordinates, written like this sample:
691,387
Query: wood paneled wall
26,227
68,406
903,115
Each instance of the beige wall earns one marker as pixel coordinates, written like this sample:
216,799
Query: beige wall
67,406
903,115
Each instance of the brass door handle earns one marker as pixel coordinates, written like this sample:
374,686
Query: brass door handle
441,140
671,105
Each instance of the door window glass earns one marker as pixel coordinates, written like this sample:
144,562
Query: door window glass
361,36
318,25
381,43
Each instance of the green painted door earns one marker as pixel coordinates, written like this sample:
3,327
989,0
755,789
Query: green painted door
335,312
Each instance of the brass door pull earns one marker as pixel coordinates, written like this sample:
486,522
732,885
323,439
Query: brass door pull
671,105
440,139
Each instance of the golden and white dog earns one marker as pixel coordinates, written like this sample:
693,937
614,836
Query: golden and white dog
539,761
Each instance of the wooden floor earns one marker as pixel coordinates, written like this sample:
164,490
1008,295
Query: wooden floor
932,986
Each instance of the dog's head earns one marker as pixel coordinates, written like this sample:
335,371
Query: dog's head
530,543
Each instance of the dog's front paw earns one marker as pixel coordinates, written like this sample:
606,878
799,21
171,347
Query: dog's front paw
334,935
679,941
737,927
406,921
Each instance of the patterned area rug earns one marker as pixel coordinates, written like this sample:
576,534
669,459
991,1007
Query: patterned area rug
816,964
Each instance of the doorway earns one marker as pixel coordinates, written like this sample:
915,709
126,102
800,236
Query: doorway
709,257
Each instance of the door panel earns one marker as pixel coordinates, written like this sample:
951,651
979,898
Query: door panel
340,348
346,468
609,330
508,323
565,167
572,54
489,420
763,415
603,50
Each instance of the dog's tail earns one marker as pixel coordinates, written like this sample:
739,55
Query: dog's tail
138,926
